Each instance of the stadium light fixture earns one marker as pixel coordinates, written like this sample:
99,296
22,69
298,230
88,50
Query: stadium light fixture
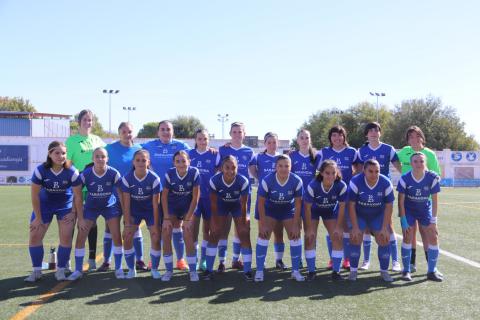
128,109
223,118
110,92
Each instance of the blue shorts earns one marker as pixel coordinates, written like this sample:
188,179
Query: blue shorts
279,216
423,219
317,214
235,212
374,223
137,218
204,209
108,213
47,214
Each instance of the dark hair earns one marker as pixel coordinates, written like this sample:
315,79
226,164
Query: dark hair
282,157
183,152
164,122
370,162
144,151
237,124
229,158
324,165
204,131
269,135
340,130
124,124
417,130
83,113
311,151
51,147
372,125
417,154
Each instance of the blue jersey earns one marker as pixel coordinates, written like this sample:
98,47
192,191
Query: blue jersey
56,192
141,191
303,167
121,157
229,195
180,189
384,154
325,201
244,155
280,198
417,193
370,201
161,155
207,164
265,164
344,158
100,189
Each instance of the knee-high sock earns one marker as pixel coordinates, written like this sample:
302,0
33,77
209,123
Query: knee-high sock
367,245
130,258
210,252
79,254
138,244
222,250
178,244
155,256
432,258
203,252
261,253
168,260
414,256
296,253
346,245
279,249
192,262
354,256
384,257
247,259
329,245
237,248
36,255
406,256
393,247
337,256
92,242
63,256
117,256
310,257
107,247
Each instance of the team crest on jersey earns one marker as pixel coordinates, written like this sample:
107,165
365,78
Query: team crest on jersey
189,184
290,192
334,197
165,151
207,161
426,188
244,158
108,183
236,192
382,156
379,194
148,188
65,182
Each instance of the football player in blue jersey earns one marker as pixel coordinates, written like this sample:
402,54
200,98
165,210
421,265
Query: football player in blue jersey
264,165
101,181
280,199
229,193
161,152
370,197
141,189
179,200
206,160
418,201
384,154
120,156
52,195
346,158
245,158
325,197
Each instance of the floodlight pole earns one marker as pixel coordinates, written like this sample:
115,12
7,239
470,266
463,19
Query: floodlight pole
110,92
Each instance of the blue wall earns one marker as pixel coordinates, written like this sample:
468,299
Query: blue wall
14,127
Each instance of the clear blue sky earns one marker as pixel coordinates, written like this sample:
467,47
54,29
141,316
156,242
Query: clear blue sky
270,64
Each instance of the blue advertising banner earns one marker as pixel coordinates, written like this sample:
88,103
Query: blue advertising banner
13,158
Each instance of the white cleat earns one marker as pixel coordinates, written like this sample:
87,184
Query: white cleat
60,274
119,274
34,276
194,276
365,265
167,276
297,276
92,265
386,276
396,267
68,267
155,274
258,276
352,276
132,273
75,276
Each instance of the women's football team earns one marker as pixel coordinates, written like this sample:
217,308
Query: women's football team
170,188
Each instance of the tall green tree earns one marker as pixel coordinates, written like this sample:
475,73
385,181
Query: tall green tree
16,104
185,126
149,130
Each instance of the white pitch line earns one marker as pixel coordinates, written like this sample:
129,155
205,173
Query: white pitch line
452,255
